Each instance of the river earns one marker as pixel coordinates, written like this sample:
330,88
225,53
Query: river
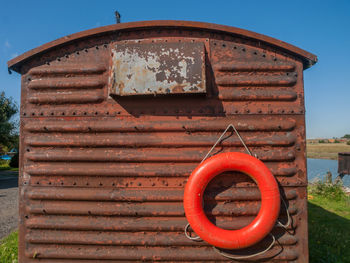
317,168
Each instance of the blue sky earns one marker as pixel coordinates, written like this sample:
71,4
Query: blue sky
320,27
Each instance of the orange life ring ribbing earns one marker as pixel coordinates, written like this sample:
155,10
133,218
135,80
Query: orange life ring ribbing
259,227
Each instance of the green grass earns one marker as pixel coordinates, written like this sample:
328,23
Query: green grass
325,150
9,248
5,167
329,224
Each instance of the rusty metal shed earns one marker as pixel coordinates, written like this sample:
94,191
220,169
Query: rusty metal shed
344,163
114,119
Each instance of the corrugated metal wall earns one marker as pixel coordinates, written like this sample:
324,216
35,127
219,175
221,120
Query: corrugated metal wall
102,177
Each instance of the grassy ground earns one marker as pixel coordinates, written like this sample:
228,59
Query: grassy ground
329,225
6,167
325,150
8,248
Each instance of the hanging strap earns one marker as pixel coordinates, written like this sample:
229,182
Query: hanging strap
220,138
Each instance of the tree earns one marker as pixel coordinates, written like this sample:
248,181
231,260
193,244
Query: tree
8,127
347,136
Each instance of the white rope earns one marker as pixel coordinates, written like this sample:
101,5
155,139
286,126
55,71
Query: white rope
197,238
248,256
289,221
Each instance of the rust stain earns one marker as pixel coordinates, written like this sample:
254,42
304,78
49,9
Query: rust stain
102,178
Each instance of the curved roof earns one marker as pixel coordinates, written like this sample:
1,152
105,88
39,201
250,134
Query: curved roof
308,58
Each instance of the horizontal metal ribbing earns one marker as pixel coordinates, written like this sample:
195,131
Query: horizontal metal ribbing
143,155
257,95
68,69
267,81
135,169
155,140
140,195
67,83
105,208
254,66
142,253
66,98
125,238
160,125
132,224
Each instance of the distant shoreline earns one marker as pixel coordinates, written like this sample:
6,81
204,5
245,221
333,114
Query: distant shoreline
327,151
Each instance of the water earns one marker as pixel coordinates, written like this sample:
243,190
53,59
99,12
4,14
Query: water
317,168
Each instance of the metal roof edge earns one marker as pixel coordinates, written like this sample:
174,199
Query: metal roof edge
309,59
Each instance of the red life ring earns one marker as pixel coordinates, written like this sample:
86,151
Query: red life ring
261,225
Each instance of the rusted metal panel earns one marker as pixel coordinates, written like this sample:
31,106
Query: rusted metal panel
157,68
102,176
344,163
309,59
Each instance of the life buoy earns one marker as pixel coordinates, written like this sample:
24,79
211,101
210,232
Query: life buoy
259,227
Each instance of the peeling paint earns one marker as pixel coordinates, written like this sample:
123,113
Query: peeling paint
160,68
